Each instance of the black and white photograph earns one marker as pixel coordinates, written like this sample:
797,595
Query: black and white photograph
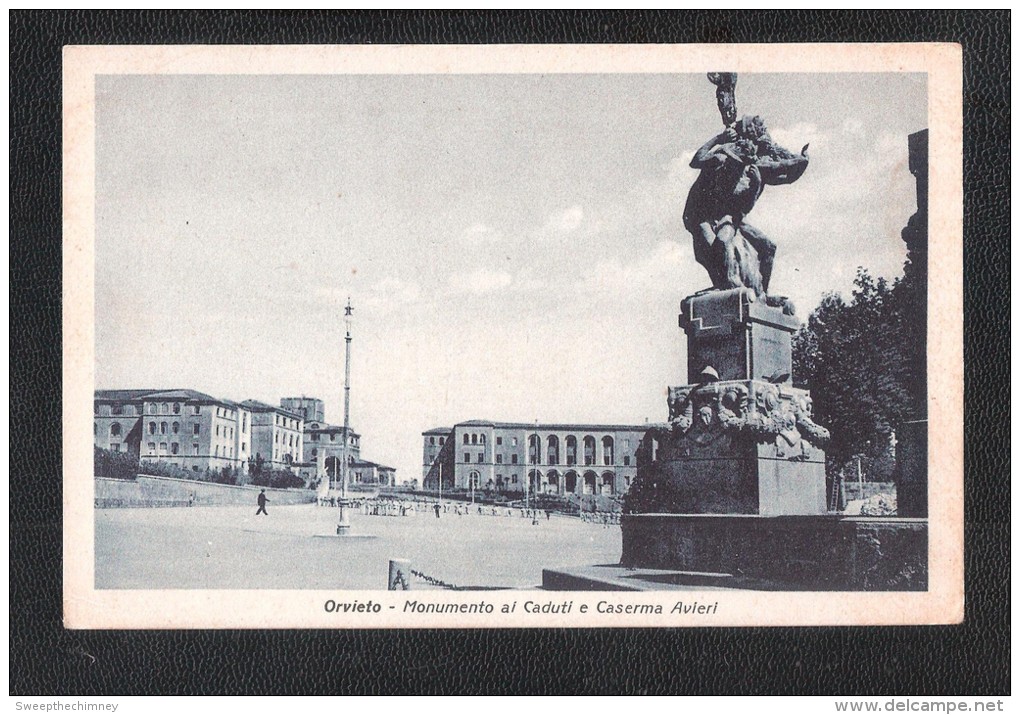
529,337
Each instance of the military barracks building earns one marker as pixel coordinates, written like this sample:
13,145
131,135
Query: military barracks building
555,458
196,431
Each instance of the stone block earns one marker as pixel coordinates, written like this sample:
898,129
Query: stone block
912,469
735,447
738,336
828,552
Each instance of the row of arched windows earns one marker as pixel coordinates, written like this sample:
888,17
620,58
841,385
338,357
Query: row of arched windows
590,455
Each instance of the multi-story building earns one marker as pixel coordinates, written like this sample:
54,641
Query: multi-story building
324,449
554,458
196,431
186,428
277,434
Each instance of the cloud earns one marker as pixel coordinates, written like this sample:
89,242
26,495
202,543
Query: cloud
383,296
566,221
480,281
658,269
480,233
796,136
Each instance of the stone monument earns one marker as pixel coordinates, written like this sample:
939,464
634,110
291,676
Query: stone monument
741,439
730,492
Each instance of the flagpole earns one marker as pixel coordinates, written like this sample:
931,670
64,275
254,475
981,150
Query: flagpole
343,525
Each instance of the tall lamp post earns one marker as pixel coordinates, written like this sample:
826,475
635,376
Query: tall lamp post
343,525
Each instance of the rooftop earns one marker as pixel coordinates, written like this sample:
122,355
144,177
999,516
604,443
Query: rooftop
541,426
172,394
325,427
258,406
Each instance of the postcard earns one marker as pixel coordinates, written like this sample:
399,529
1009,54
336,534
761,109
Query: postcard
512,336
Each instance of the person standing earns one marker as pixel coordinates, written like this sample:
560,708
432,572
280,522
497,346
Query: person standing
262,503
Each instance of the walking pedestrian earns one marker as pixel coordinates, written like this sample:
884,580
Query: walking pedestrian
262,503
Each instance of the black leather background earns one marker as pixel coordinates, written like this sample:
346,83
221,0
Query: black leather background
46,659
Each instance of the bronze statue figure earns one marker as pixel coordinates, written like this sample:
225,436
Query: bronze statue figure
736,165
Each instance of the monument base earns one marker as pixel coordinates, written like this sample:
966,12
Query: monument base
818,553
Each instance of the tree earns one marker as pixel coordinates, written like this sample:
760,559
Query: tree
859,361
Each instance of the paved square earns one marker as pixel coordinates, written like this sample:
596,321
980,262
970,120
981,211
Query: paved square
228,547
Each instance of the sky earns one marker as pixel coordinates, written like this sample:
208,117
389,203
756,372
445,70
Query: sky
513,245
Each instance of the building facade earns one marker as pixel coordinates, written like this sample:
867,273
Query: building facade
322,457
277,435
510,457
185,428
196,431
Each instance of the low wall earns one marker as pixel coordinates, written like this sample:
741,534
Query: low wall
827,552
166,491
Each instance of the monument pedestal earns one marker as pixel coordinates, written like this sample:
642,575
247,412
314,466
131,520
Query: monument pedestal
740,439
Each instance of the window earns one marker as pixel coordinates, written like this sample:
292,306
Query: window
467,438
499,441
152,428
534,445
152,408
130,410
216,451
589,450
176,427
513,459
314,437
332,436
162,447
194,449
217,430
553,451
442,441
432,440
198,409
174,448
164,408
513,478
196,429
315,453
482,438
626,460
117,409
481,457
115,429
467,457
177,408
244,446
513,442
152,447
608,457
499,459
162,427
